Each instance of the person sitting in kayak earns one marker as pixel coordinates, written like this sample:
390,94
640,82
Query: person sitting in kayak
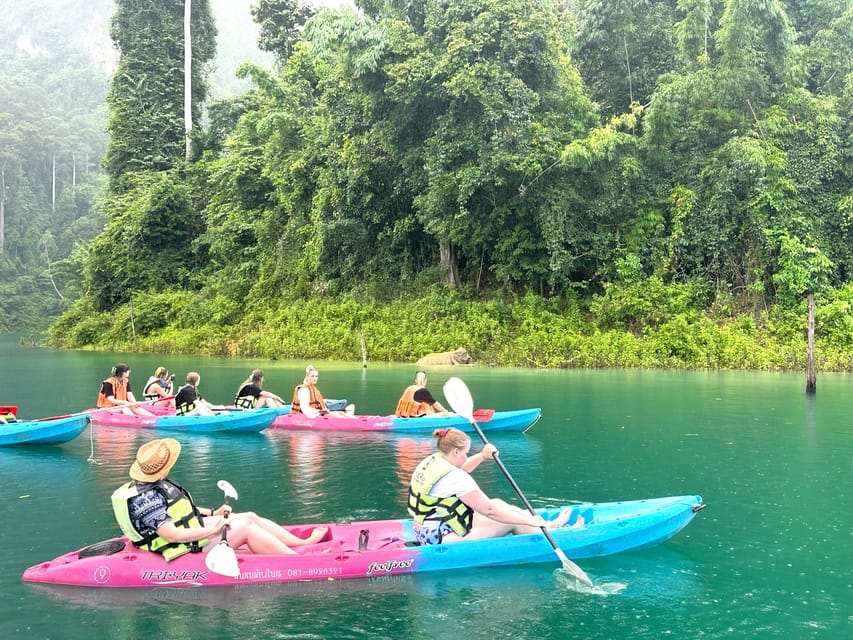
308,400
115,393
160,386
417,401
158,515
447,504
188,402
251,394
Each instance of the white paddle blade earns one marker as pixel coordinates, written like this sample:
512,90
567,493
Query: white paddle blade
222,560
228,489
459,398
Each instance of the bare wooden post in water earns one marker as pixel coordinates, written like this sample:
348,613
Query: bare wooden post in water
811,375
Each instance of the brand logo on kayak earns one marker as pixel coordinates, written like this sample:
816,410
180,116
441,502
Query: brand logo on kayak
160,576
388,566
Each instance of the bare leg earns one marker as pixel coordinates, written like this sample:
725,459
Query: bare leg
278,531
256,538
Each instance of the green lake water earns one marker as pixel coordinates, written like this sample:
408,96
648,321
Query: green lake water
771,556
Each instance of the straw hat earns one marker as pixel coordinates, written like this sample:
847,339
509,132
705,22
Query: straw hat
155,459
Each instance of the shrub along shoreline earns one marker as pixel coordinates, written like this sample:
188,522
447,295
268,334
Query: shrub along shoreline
528,331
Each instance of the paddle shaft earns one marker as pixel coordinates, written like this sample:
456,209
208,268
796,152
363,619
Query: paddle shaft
568,565
132,404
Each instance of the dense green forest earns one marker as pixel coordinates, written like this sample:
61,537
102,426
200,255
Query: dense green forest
548,183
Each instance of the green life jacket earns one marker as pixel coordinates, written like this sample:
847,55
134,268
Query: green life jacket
423,506
181,510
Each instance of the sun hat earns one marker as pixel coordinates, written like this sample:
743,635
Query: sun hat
155,459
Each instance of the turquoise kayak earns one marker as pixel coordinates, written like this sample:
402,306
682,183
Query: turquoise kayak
378,548
48,431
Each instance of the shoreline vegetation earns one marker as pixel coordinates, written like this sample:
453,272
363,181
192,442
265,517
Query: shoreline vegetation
528,331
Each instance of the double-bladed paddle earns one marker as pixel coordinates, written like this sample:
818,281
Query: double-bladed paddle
221,558
460,400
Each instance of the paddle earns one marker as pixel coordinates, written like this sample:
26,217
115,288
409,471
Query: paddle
221,558
81,413
459,398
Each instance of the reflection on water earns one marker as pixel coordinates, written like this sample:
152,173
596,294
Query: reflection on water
769,558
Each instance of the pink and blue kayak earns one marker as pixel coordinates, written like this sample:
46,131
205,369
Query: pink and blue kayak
500,421
376,548
165,419
46,431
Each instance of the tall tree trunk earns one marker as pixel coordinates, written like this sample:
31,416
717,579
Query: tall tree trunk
811,375
188,77
53,186
2,209
449,267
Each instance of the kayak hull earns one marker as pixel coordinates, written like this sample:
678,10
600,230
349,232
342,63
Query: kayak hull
231,421
500,421
378,548
54,431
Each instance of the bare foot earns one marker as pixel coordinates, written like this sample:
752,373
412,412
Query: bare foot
563,519
560,520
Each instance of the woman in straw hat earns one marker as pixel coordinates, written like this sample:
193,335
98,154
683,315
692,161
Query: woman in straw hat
158,515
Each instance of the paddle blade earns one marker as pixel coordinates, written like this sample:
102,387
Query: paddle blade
222,560
574,570
228,489
459,398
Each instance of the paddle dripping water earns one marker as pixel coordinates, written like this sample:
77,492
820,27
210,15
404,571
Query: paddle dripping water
567,580
460,400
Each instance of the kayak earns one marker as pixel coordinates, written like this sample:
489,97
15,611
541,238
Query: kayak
232,421
500,421
52,431
377,548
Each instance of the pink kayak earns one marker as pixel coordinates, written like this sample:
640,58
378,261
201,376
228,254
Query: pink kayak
378,548
491,421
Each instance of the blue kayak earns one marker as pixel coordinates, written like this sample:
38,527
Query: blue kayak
50,431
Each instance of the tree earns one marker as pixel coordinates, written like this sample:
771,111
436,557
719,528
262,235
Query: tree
146,95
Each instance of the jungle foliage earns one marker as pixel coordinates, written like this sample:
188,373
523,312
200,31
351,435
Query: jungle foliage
548,183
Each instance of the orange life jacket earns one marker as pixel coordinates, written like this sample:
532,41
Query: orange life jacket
316,400
119,392
408,408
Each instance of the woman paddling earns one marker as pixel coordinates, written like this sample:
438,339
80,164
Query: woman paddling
447,504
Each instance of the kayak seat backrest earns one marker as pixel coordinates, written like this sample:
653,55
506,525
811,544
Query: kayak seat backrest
305,531
105,548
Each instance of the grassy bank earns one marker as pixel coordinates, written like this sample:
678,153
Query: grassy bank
524,332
